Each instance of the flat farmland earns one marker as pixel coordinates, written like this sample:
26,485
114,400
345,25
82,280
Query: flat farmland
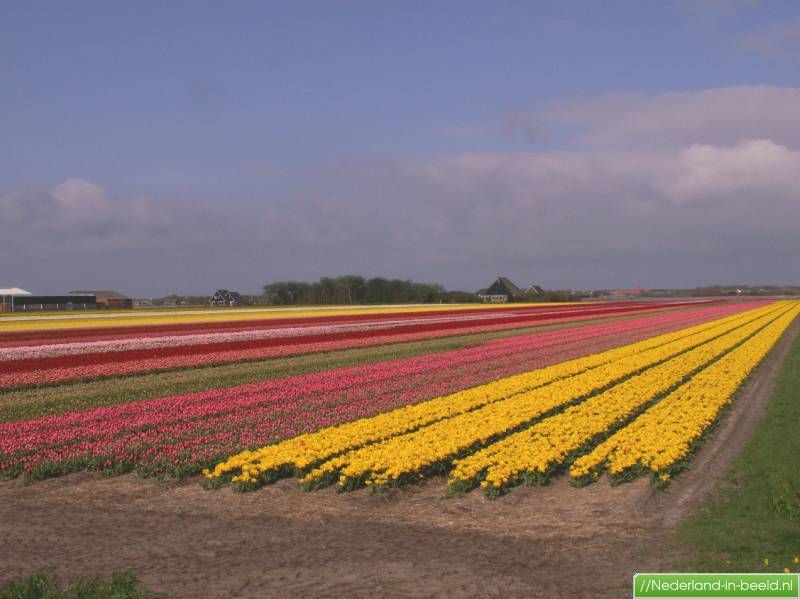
366,450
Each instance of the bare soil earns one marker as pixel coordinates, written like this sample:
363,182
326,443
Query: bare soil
552,541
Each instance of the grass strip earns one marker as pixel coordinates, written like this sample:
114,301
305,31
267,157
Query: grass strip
753,523
42,585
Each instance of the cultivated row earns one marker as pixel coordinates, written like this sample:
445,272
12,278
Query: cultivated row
404,444
182,433
50,369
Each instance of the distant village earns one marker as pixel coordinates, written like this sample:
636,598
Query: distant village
502,290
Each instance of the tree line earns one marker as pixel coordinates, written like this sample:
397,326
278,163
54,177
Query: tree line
354,289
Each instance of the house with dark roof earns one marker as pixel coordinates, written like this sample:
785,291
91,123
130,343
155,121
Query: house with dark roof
534,290
502,290
223,297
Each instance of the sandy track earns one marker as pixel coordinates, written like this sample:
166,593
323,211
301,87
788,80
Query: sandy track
552,541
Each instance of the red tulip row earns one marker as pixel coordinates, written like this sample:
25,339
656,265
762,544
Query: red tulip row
59,347
48,370
184,433
54,335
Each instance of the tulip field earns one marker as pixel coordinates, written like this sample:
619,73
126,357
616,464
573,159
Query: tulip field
489,396
35,358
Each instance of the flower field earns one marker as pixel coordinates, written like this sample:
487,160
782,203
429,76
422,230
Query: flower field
524,428
32,358
501,396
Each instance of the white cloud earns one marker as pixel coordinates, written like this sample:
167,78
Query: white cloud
759,167
714,116
81,200
79,216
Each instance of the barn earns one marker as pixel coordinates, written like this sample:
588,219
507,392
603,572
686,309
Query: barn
108,299
7,297
15,299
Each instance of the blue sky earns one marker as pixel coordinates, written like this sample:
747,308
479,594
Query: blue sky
308,139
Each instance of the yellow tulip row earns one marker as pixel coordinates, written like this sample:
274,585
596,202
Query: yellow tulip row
430,448
297,455
664,435
532,454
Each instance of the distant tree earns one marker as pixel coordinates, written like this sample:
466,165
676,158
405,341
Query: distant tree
376,291
399,292
553,296
284,293
460,297
354,289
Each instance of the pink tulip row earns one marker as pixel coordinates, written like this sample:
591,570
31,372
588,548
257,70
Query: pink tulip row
48,370
84,335
151,341
20,373
186,432
11,379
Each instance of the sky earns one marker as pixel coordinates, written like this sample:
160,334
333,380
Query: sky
183,147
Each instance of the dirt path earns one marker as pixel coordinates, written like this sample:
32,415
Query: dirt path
554,541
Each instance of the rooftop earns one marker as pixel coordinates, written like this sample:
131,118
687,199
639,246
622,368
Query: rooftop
100,293
13,291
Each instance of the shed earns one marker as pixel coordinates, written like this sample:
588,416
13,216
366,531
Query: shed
107,298
7,295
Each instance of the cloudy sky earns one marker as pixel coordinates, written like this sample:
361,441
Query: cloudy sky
159,147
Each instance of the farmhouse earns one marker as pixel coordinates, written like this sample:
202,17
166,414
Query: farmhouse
223,297
503,290
108,299
534,290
